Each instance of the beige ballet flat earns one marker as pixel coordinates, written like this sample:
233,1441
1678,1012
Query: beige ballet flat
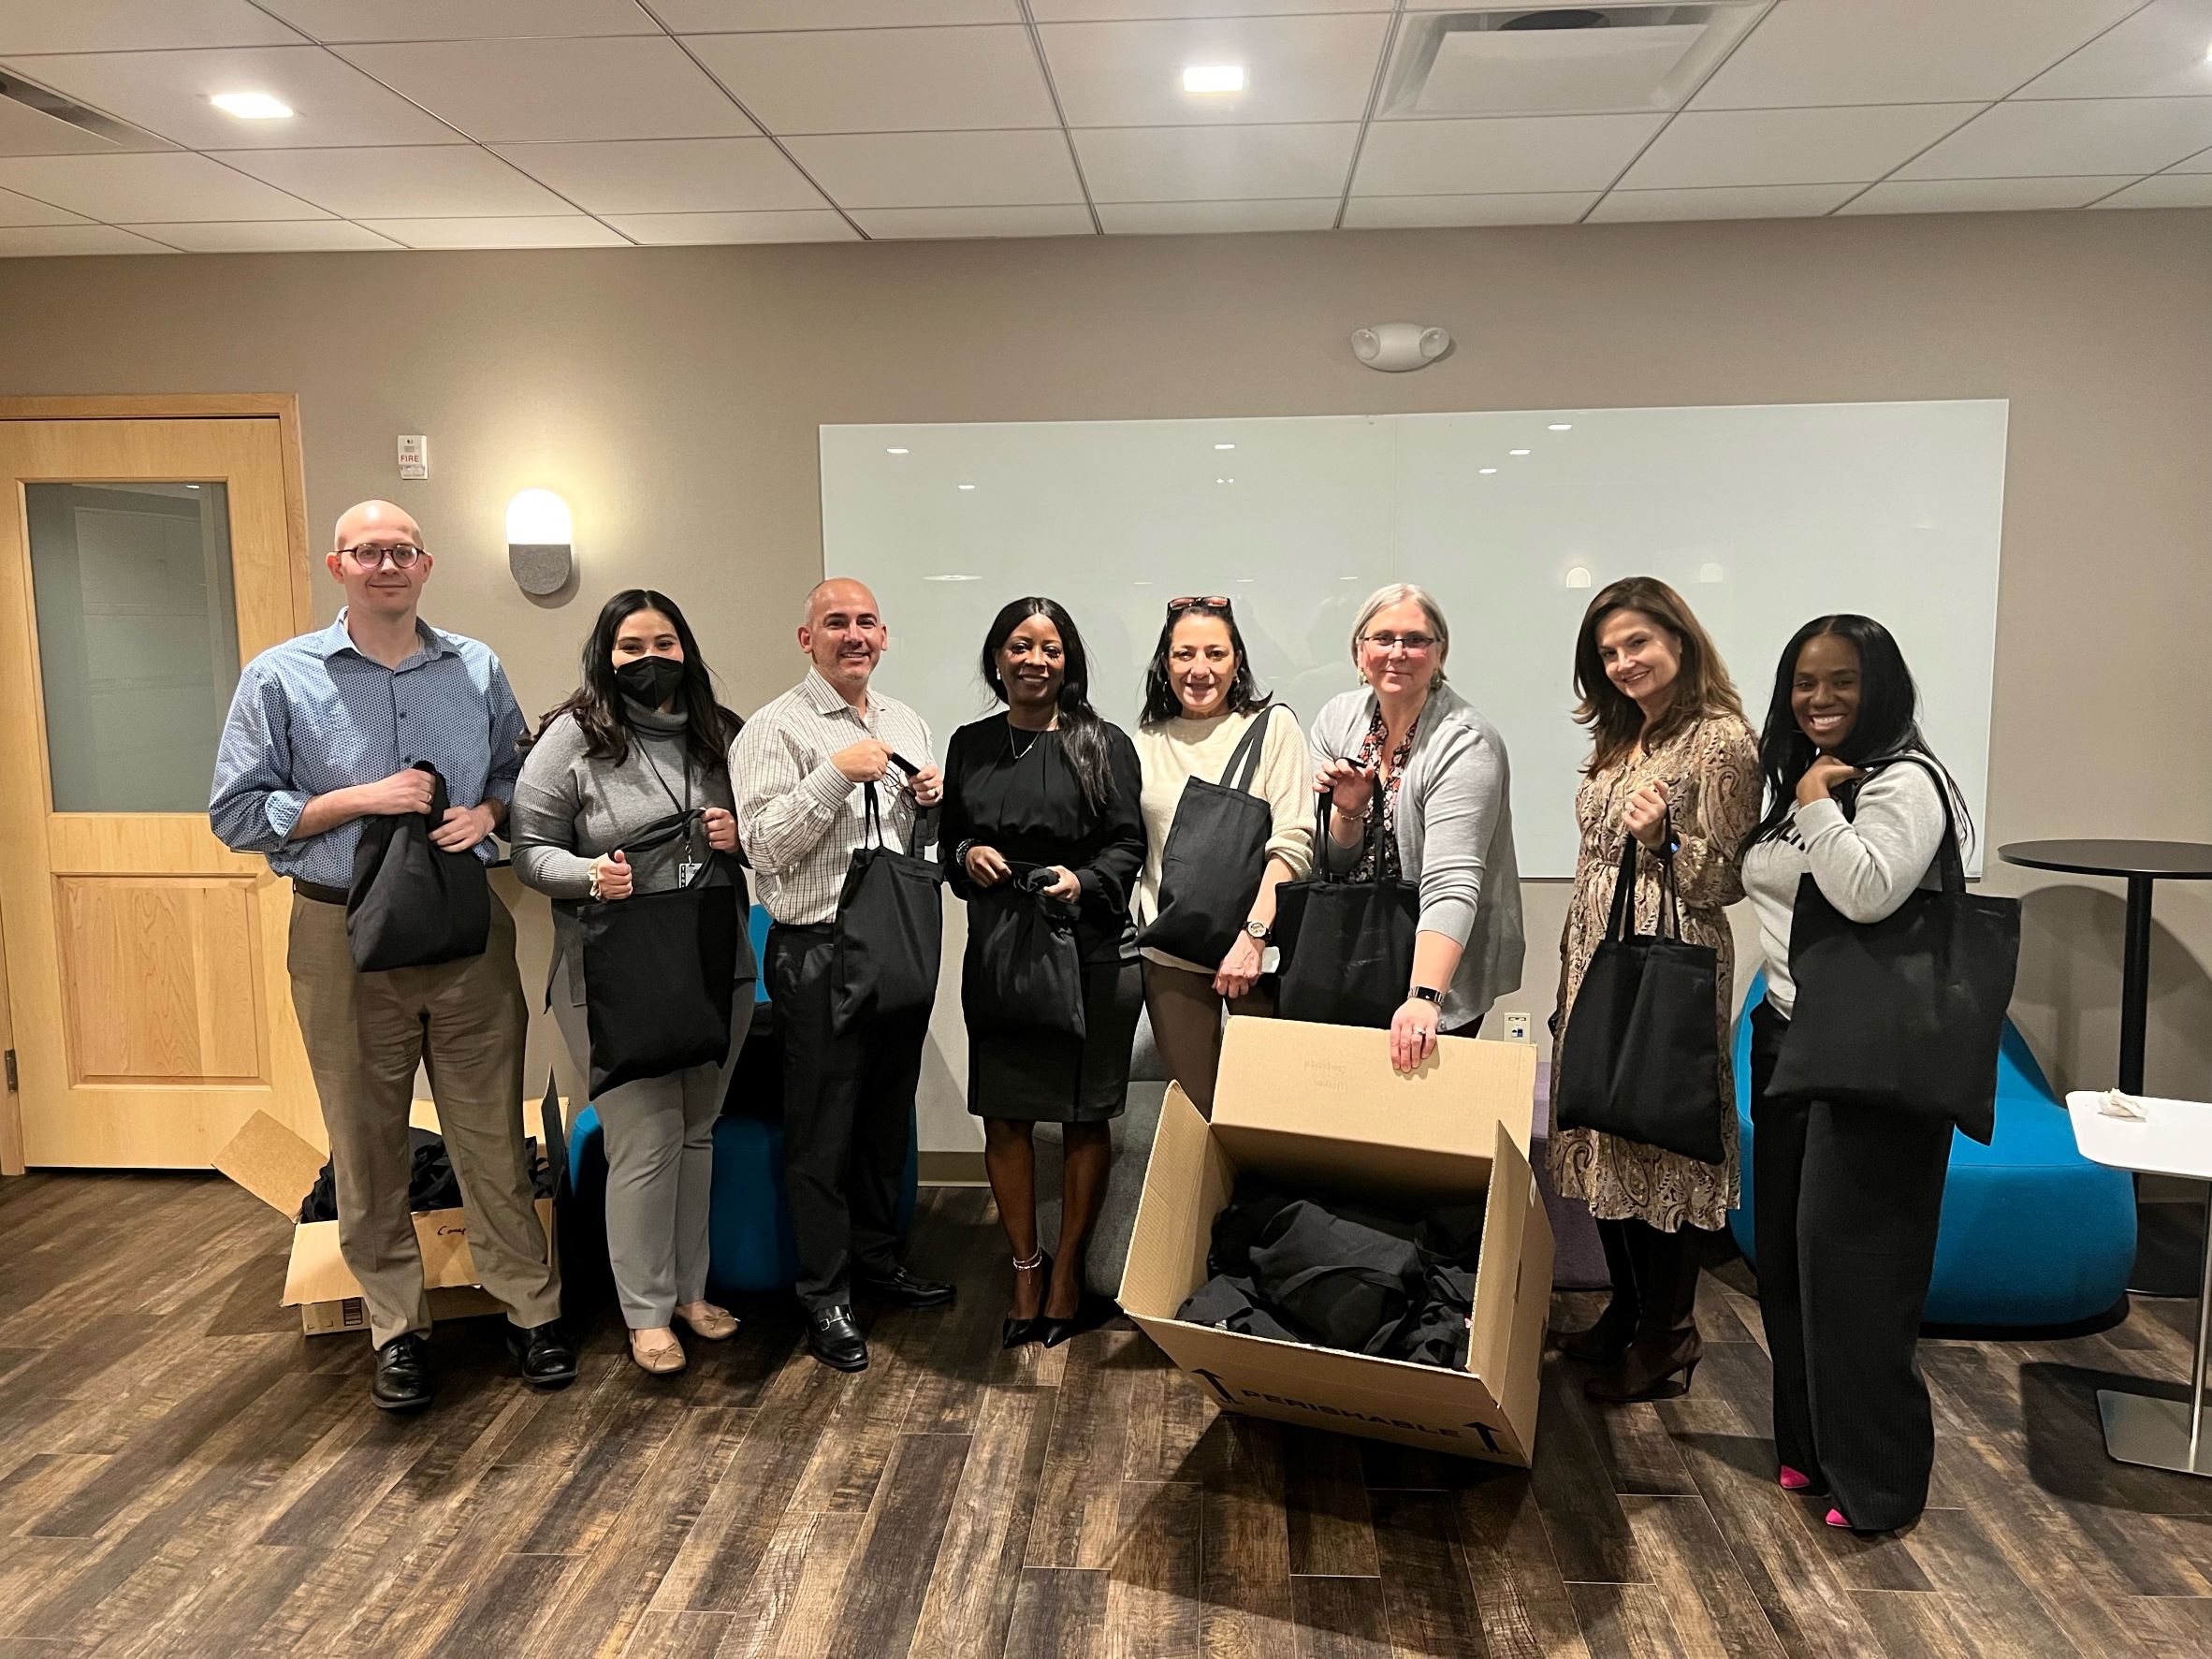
712,1323
663,1358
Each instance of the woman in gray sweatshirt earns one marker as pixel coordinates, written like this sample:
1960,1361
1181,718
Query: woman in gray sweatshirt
1409,747
1848,1196
641,740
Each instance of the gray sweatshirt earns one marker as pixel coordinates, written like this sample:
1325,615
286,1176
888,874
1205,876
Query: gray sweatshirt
1867,864
1455,837
570,809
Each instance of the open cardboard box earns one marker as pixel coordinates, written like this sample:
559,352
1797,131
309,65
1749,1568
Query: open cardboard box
277,1167
1318,1107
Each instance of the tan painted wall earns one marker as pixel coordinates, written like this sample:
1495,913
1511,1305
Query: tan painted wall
672,396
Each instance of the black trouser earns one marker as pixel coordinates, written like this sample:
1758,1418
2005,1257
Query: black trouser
1848,1200
848,1111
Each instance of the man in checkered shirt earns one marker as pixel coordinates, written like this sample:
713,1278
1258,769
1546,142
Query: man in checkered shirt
798,769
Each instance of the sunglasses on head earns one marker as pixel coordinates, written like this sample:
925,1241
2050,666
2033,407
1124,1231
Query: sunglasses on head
1218,602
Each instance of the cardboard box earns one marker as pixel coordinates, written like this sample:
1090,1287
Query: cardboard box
277,1167
1318,1107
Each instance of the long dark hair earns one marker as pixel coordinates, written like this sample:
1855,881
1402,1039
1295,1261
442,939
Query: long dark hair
1702,686
1887,726
1160,701
1083,733
596,705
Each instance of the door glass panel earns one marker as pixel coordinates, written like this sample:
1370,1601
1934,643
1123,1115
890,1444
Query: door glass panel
137,640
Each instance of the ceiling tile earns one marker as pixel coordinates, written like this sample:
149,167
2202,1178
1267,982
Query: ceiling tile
690,229
530,91
668,175
1215,163
30,132
706,16
1065,11
168,93
1743,201
2094,135
23,209
460,20
1398,212
140,189
1981,196
1901,51
1540,152
2160,52
143,25
1175,218
563,230
439,180
898,224
2167,190
310,236
940,169
1792,146
882,81
75,239
1296,68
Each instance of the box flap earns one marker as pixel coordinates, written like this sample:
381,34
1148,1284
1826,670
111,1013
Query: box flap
272,1163
1335,1083
1188,1180
1512,1289
317,1272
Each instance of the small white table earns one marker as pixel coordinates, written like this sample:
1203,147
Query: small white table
2174,1138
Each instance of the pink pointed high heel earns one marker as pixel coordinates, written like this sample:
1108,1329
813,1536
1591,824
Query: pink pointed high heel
1794,1480
1835,1518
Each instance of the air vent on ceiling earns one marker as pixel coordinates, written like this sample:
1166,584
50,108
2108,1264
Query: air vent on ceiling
91,122
1561,60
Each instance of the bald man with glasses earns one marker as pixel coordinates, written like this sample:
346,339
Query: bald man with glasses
324,733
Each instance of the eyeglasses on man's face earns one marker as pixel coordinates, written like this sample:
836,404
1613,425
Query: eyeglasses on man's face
1414,645
403,555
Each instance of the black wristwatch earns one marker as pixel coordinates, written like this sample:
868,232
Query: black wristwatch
1426,993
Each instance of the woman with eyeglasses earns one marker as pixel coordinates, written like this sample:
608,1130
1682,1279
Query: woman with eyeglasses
1047,795
1200,707
1415,782
642,740
1671,763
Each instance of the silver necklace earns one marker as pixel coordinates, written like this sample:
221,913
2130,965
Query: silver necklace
1019,749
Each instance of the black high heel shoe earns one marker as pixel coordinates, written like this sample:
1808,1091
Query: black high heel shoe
1013,1332
1091,1311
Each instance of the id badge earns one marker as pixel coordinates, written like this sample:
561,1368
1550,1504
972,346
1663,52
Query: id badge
686,869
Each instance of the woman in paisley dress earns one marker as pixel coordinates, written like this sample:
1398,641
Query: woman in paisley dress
1672,758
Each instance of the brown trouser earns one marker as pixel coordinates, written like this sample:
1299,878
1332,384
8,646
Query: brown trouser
1187,1025
365,1033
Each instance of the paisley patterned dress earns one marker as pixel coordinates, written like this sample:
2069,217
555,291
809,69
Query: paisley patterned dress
1711,773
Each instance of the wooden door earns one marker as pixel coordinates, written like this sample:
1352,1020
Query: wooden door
143,562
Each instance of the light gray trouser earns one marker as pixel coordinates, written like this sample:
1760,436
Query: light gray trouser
659,1134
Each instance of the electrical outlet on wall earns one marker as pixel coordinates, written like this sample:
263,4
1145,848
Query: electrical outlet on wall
1517,1028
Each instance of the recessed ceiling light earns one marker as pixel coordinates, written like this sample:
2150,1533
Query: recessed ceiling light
967,487
1244,579
953,576
1225,445
1487,470
1213,78
1348,579
1560,426
1516,452
252,106
192,486
895,452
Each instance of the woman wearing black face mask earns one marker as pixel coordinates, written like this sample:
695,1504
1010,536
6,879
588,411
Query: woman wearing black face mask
641,741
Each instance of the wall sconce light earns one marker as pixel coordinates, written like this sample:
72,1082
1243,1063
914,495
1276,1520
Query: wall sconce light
540,538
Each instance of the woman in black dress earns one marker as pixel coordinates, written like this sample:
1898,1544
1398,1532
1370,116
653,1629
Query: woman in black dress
1047,796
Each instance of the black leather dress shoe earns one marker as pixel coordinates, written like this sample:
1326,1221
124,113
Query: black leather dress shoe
542,1353
403,1379
833,1338
902,1290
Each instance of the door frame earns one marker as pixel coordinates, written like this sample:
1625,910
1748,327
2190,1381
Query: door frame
283,407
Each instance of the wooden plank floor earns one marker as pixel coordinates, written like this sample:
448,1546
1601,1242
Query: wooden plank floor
182,1474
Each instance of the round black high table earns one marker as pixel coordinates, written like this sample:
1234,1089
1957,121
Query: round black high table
2161,1268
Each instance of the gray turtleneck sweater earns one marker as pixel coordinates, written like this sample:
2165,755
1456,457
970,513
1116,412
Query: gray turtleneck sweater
570,808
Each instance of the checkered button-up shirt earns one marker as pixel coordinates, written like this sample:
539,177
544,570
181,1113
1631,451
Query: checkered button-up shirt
315,715
798,817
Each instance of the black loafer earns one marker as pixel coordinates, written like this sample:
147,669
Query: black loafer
833,1338
902,1290
542,1353
402,1380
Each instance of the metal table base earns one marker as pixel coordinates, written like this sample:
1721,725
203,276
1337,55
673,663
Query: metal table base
2166,1433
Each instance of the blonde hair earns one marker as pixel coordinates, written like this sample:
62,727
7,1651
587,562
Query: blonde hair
1398,593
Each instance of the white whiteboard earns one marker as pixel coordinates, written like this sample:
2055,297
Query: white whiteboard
1763,516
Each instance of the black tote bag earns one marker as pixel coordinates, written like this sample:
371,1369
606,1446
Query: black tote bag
1023,971
1641,1055
1216,854
660,968
890,931
1906,1013
1347,946
413,904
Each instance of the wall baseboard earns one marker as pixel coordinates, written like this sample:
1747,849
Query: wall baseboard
952,1169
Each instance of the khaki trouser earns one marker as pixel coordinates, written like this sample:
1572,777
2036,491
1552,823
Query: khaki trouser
365,1033
1187,1025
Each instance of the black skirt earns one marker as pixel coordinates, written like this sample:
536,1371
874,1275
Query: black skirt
1037,1078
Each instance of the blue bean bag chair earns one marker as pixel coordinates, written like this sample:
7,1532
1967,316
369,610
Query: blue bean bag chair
2033,1232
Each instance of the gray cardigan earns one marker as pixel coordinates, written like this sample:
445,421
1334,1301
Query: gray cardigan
1455,837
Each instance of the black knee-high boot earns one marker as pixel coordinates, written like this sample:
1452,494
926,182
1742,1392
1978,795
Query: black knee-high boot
1603,1342
1658,1365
